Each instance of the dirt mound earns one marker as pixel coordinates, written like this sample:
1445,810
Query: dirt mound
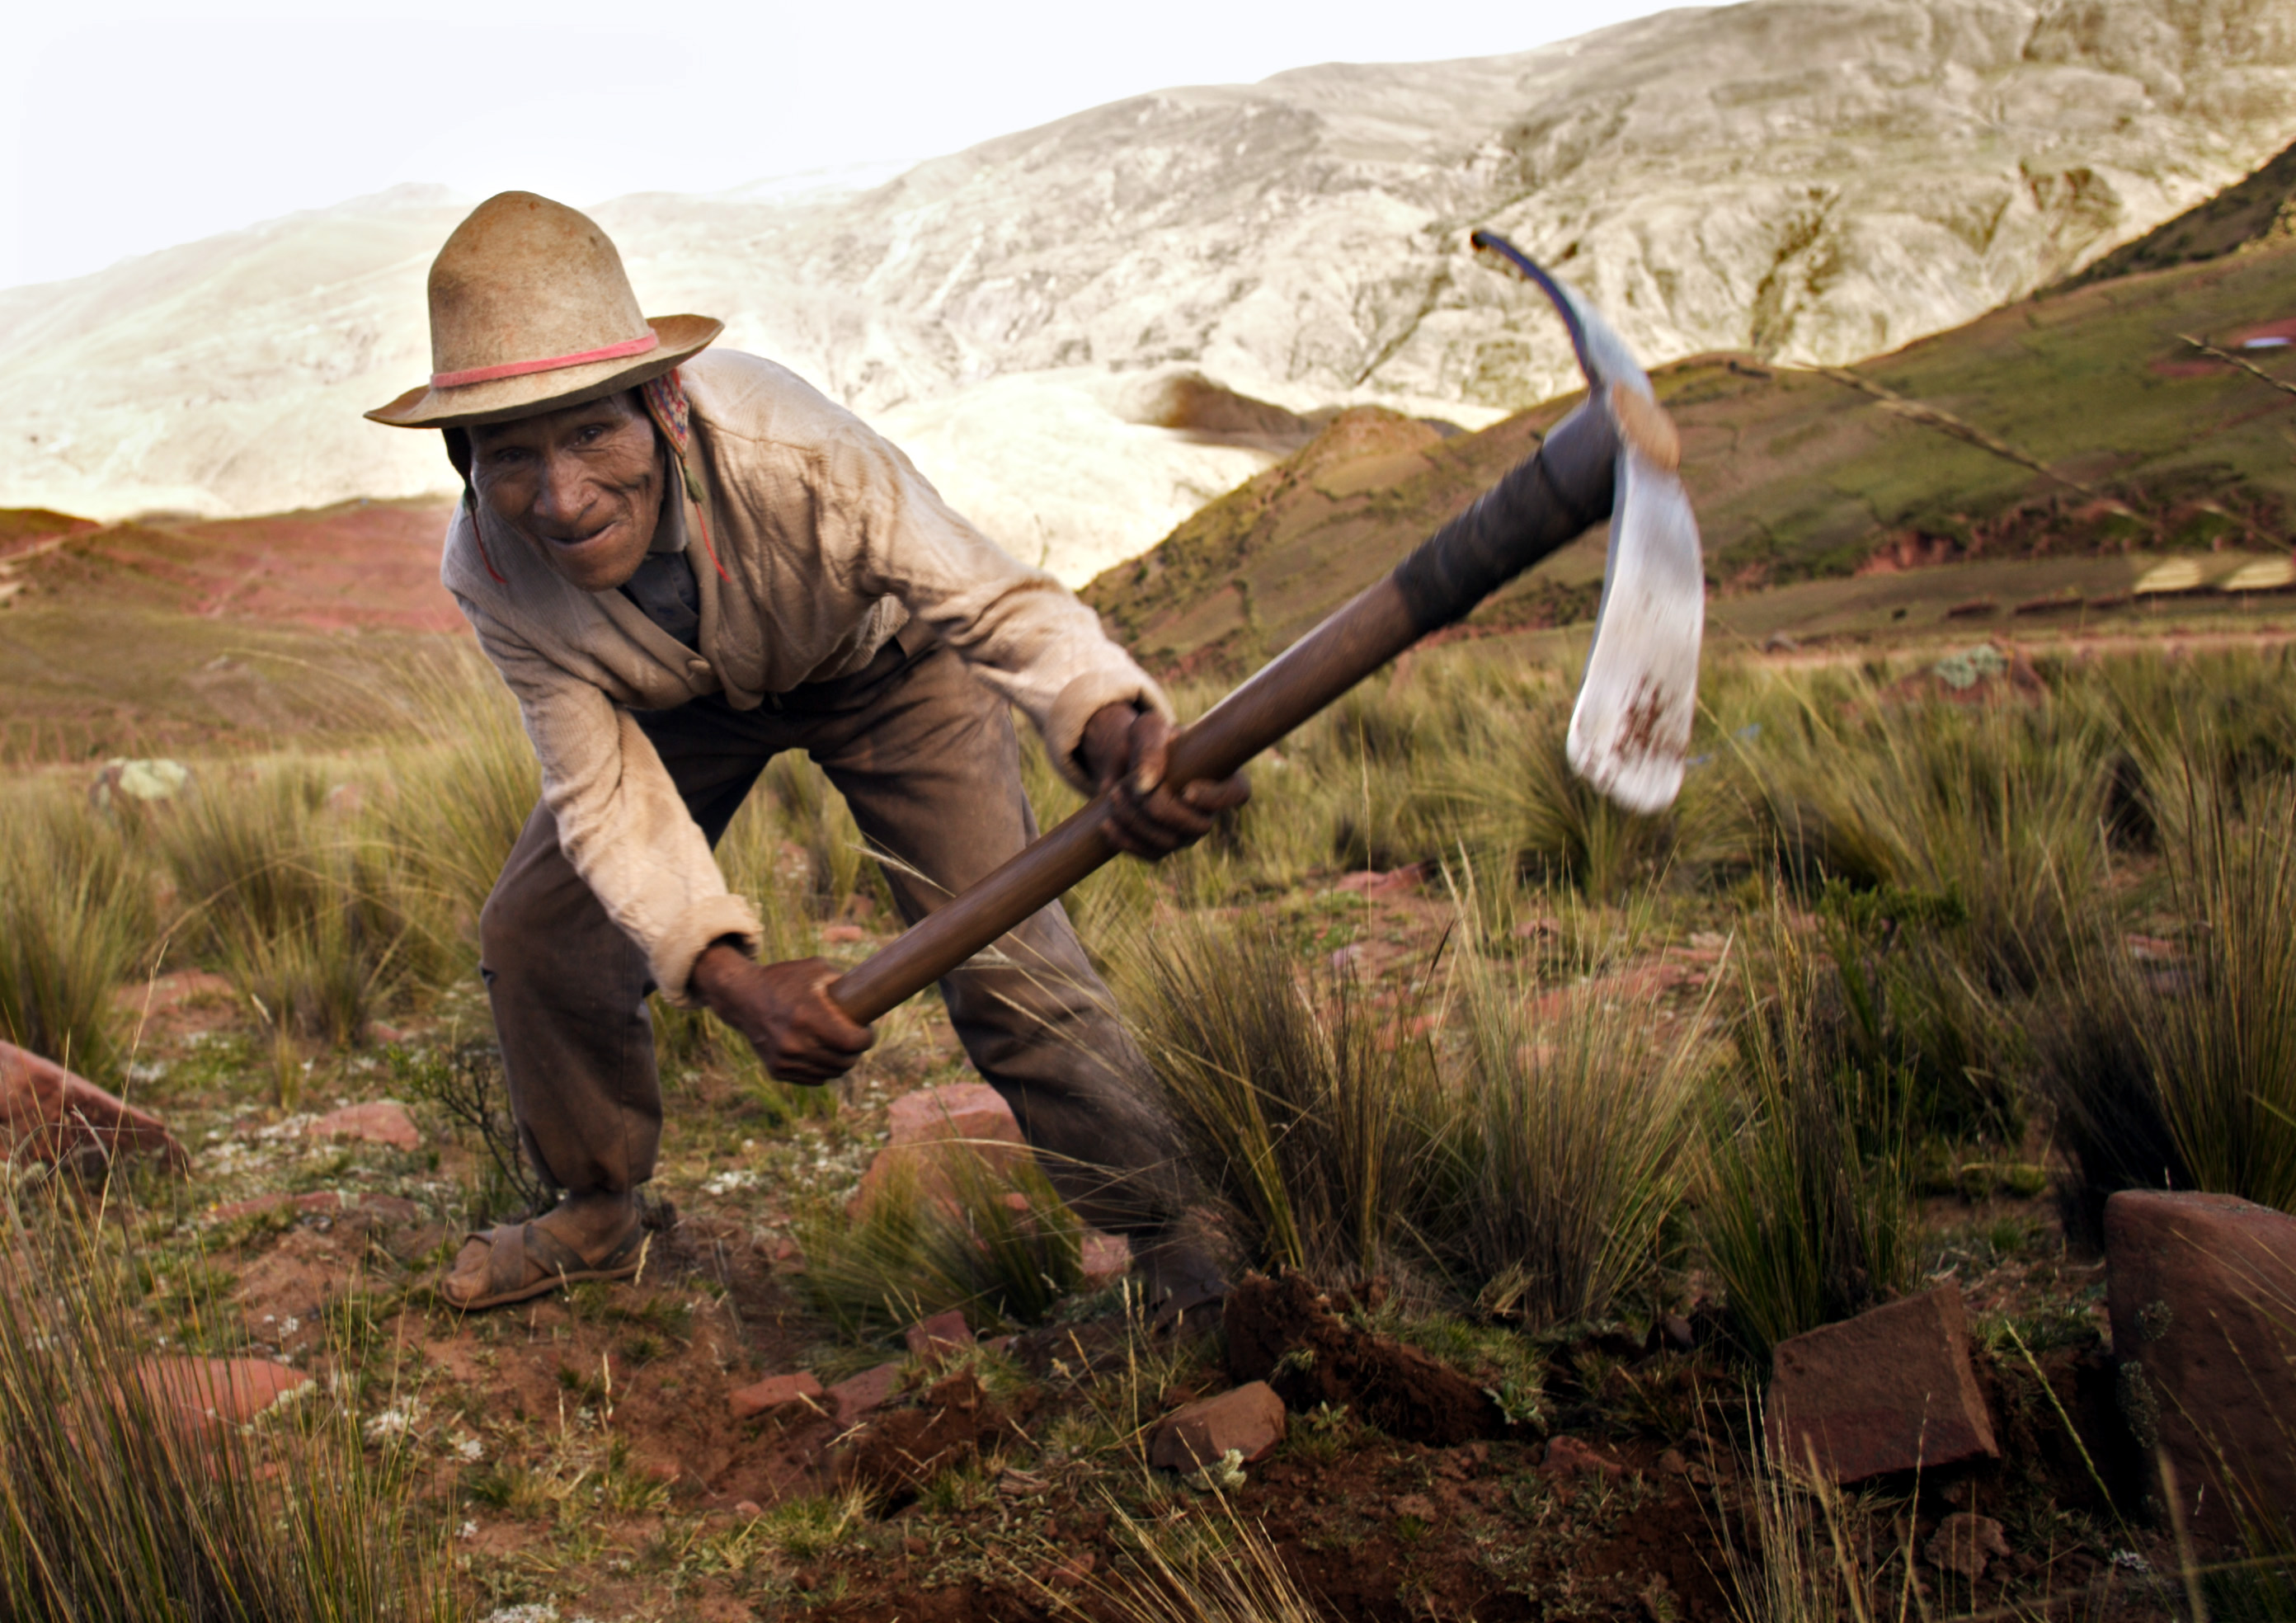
1286,1333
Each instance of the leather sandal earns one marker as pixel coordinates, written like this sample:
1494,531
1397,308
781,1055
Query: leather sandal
526,1260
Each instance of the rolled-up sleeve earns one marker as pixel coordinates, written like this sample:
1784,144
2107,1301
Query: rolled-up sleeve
621,821
1023,633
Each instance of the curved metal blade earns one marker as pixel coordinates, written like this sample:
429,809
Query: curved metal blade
1602,355
1630,729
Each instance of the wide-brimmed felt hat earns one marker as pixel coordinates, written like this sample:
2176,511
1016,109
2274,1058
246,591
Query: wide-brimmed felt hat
530,310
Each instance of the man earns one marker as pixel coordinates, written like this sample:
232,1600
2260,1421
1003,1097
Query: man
683,563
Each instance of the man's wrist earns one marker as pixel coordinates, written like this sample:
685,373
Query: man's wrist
713,963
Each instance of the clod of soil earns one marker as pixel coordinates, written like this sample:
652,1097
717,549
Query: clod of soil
952,1423
1286,1333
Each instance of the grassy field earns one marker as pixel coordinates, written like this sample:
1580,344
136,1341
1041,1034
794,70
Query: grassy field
1431,1016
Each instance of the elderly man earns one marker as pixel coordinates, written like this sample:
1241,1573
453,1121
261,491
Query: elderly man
683,563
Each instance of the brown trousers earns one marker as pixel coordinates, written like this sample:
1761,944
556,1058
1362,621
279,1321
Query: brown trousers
926,758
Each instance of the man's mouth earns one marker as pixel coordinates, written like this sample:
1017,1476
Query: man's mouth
583,539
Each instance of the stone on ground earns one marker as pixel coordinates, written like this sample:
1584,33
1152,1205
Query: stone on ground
776,1393
2202,1292
930,1131
939,1336
1105,1258
1965,1542
1889,1390
1249,1421
864,1393
377,1121
47,1113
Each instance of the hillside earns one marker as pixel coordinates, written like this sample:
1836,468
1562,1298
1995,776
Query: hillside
1806,181
174,634
2258,210
1924,457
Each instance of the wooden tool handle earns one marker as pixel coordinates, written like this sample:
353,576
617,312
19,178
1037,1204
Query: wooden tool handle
1543,504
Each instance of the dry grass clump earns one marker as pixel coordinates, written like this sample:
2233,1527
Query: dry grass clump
2182,1073
1307,1111
1571,1141
78,918
995,1242
1808,1219
1220,1569
1527,1162
118,1505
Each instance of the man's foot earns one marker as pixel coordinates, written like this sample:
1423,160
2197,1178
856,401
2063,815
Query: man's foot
1182,1282
587,1237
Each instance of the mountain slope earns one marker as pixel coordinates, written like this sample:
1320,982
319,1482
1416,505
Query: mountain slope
2258,210
1923,456
1805,180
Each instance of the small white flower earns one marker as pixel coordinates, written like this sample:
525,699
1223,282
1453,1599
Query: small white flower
470,1450
469,1529
289,1325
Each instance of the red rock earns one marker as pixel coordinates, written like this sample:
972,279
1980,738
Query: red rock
2202,1292
1397,882
162,994
1568,1456
1965,1542
940,1336
930,1129
839,934
859,1394
750,1508
775,1393
378,1121
1105,1258
1249,1420
203,1392
1889,1390
46,1112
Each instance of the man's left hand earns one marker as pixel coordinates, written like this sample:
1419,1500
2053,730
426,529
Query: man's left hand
1124,750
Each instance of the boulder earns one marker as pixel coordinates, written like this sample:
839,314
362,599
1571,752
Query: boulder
1889,1390
1249,1420
47,1113
929,1130
377,1121
2202,1289
776,1393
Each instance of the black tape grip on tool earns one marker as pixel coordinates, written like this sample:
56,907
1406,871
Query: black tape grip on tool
1545,501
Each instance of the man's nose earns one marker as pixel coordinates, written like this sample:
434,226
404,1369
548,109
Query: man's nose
565,495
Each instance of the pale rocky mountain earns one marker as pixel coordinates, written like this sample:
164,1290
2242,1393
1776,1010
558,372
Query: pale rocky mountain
1811,180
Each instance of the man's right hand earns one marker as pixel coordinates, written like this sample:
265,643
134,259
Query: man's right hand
785,1012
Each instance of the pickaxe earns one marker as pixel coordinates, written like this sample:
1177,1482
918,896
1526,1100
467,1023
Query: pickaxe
1615,456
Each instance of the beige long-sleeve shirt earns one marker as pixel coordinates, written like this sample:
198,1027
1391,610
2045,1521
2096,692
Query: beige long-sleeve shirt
829,541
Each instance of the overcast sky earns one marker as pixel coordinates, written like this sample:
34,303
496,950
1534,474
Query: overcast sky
132,125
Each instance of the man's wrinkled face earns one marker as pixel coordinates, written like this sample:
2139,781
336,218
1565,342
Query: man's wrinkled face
582,486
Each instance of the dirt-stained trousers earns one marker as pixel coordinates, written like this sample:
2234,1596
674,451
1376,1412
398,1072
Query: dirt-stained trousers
927,759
